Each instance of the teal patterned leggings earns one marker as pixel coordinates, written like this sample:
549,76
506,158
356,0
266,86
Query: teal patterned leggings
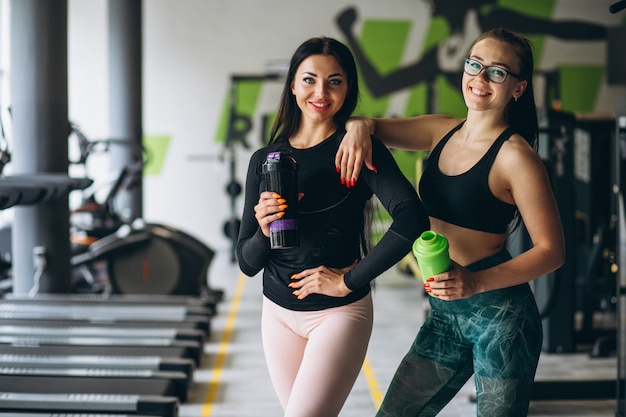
496,336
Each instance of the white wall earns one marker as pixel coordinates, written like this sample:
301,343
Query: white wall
192,47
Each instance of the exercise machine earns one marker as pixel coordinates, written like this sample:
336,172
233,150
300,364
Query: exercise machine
131,256
148,363
94,381
102,404
29,386
104,331
207,303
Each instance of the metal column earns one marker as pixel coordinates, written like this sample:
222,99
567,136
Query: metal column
40,131
125,86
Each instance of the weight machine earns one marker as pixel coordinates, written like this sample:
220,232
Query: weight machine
239,125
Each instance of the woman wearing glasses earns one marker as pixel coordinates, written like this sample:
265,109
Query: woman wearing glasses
482,178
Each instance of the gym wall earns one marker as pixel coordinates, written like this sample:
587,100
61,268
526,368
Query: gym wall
195,49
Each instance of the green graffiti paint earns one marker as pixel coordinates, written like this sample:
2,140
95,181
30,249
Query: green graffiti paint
246,97
156,146
449,98
587,79
438,31
416,101
384,42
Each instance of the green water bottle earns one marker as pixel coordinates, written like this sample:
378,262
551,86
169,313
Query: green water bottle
431,252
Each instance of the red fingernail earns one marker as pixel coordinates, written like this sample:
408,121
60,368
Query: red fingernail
353,181
338,169
375,169
431,279
343,180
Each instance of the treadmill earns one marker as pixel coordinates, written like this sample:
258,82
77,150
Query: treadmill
131,405
131,315
16,414
94,381
33,388
150,363
58,345
208,301
106,308
27,414
104,331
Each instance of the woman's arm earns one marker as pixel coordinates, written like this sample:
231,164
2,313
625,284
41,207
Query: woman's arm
253,247
400,199
415,133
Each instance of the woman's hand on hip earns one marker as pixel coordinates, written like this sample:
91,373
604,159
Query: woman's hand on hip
321,280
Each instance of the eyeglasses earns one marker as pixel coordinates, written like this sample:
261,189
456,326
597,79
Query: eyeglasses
494,73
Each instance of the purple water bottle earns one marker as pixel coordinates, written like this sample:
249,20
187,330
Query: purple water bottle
281,177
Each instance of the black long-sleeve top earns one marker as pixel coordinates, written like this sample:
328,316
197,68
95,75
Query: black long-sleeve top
331,222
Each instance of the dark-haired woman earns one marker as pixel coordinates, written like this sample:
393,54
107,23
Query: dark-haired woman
317,307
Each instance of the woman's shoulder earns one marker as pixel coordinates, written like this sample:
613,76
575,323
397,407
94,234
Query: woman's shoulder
516,154
260,154
516,145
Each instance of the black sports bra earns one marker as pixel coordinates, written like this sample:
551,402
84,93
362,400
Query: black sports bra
466,200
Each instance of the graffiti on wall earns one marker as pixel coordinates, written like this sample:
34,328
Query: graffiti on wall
431,82
454,26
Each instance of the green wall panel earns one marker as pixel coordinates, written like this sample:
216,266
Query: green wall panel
579,86
384,42
157,147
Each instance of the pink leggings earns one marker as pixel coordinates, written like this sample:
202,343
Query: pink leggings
314,357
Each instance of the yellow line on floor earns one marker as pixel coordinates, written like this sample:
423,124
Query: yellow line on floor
372,383
220,359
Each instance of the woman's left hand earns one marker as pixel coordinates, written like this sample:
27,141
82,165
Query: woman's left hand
354,151
321,280
455,284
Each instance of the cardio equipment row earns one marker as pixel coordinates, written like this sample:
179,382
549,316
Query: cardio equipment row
113,352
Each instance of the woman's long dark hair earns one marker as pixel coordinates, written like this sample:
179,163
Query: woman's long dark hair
521,115
289,114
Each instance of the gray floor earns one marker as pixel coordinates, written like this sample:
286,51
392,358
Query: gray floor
233,380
